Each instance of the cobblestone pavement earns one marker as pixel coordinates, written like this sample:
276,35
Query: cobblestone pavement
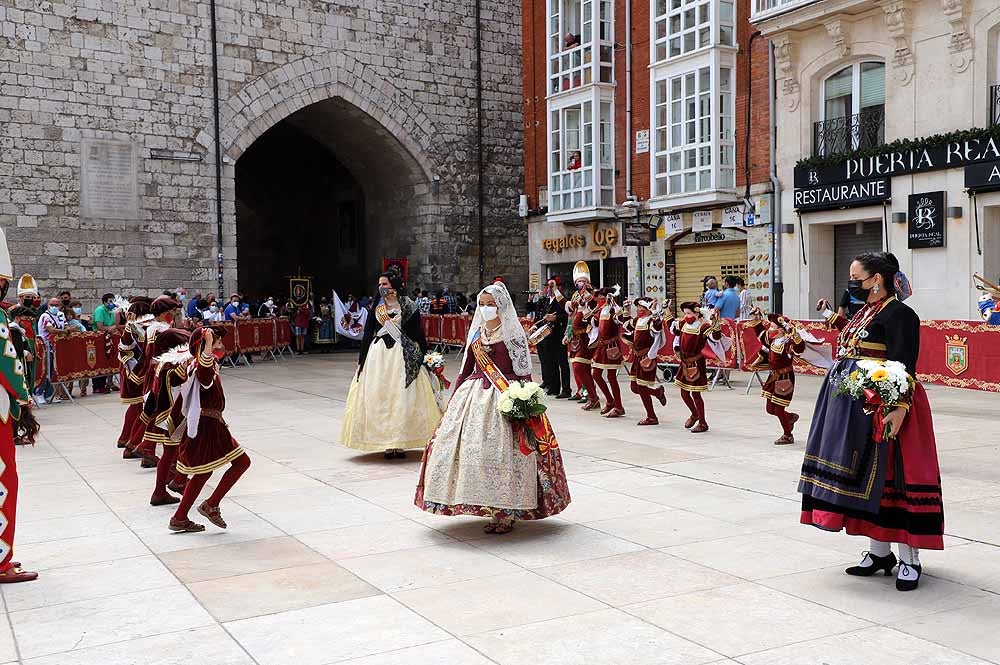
678,548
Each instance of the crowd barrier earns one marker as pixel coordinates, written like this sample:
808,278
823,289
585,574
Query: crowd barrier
85,355
446,329
960,354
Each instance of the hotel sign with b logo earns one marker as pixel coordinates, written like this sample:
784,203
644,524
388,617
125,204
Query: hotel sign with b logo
926,220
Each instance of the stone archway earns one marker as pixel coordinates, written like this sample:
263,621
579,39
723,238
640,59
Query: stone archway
368,125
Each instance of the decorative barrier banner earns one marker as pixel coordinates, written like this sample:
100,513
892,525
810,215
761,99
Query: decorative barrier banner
960,354
40,365
455,329
431,324
83,355
255,335
282,333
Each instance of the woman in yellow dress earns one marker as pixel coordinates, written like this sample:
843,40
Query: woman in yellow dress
391,405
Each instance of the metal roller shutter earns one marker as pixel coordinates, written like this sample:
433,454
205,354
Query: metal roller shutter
693,262
848,243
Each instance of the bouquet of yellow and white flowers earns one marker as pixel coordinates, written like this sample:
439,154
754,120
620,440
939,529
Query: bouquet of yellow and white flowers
524,404
882,384
434,362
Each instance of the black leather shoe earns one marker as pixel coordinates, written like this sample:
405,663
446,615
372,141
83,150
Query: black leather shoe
908,585
563,396
875,564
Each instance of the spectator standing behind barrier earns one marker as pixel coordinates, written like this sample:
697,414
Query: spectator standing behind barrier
746,298
103,319
192,306
711,291
728,303
300,322
51,323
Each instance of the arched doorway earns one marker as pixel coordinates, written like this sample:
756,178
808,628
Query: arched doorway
327,192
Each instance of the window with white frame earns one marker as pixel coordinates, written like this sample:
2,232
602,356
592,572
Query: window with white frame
581,174
579,30
690,156
853,109
685,26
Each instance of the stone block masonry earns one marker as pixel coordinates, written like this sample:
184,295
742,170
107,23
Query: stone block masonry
139,71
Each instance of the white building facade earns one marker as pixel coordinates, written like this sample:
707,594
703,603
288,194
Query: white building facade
887,138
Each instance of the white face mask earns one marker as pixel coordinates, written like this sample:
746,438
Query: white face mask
490,312
270,302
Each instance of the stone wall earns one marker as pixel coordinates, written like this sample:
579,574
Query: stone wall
140,71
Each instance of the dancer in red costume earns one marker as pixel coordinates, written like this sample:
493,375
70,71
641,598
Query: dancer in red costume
164,309
780,343
607,352
692,377
581,312
644,333
15,409
206,443
132,360
170,374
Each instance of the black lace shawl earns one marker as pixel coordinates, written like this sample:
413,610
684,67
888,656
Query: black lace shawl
412,338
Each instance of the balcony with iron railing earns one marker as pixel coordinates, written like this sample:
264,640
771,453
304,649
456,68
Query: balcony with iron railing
995,105
849,133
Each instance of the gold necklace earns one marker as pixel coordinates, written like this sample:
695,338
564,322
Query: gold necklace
857,329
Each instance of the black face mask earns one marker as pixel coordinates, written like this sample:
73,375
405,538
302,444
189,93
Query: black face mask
856,288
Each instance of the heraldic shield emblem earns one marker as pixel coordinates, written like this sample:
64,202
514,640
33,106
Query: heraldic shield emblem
956,354
91,355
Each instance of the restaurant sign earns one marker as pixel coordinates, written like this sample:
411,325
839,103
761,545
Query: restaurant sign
843,195
983,177
926,220
900,162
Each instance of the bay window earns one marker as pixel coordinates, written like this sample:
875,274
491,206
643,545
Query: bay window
581,155
681,27
694,147
580,44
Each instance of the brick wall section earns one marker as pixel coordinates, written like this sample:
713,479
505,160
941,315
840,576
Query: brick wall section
140,70
534,85
756,90
535,145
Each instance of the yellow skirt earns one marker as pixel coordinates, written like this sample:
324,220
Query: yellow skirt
381,412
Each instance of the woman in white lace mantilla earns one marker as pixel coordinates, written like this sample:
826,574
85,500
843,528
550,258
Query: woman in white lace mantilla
473,465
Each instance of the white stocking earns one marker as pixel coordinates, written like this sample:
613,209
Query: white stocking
909,555
879,548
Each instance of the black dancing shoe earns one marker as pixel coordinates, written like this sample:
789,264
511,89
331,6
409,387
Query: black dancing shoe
871,564
906,584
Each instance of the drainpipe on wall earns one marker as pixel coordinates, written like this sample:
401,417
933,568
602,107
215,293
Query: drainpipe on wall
479,137
778,287
218,149
628,98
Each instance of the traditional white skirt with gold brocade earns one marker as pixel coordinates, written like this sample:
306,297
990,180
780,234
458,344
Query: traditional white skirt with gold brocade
474,459
382,413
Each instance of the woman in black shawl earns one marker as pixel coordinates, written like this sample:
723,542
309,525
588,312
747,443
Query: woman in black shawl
391,405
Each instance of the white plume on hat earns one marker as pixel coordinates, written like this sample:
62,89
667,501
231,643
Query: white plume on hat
581,271
27,286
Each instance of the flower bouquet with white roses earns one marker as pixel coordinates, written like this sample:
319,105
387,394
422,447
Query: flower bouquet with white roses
882,384
523,403
434,362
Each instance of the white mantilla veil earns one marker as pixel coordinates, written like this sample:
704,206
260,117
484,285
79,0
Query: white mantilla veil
514,336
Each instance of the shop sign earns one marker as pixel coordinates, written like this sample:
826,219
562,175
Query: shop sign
601,240
925,224
983,177
672,224
641,141
534,279
732,216
636,234
714,235
901,162
701,220
843,195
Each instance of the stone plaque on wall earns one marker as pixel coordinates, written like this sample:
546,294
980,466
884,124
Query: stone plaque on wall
108,175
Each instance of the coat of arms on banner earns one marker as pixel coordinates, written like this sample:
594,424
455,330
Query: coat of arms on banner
956,354
91,355
256,336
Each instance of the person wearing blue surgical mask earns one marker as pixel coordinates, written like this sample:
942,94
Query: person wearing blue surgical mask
51,323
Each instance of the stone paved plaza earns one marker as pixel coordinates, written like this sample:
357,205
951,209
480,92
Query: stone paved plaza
678,548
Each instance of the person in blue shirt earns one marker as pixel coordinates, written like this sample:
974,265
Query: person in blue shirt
192,307
233,311
728,303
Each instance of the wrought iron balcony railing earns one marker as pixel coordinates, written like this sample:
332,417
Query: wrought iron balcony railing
854,132
995,105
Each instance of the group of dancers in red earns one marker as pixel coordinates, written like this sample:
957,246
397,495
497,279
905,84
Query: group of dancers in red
603,336
172,387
